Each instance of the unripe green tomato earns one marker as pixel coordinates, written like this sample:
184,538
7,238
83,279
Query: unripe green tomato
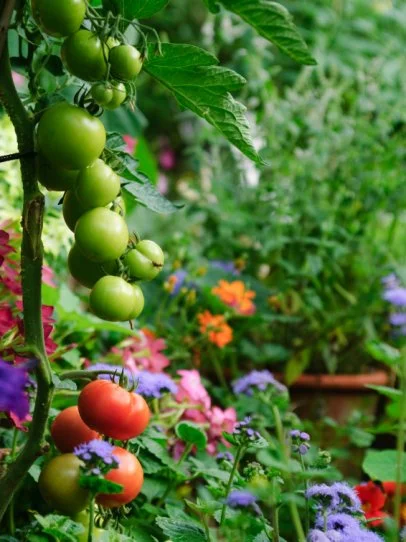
112,298
71,209
59,18
145,261
97,185
54,177
85,271
69,137
101,93
84,55
119,95
99,535
101,234
125,61
59,484
139,302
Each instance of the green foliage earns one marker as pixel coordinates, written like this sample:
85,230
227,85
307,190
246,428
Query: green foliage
97,484
181,531
135,9
191,434
59,527
381,465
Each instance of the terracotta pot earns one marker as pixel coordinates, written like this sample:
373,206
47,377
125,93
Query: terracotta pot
316,396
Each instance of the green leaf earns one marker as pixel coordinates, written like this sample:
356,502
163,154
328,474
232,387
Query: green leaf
99,485
296,366
274,22
147,195
381,465
59,528
181,531
135,9
386,391
191,433
383,352
63,384
34,471
198,84
212,5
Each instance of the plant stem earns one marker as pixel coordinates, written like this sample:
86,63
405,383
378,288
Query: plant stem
294,513
275,513
91,520
230,481
400,442
306,486
31,269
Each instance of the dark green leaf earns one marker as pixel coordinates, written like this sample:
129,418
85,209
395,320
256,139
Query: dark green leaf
59,528
274,22
198,84
212,5
192,434
180,531
147,195
381,465
135,9
383,352
99,485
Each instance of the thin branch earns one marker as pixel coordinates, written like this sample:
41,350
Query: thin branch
5,18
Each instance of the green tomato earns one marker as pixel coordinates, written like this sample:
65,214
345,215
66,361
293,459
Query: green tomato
97,185
99,535
112,298
125,61
70,137
85,271
119,95
54,177
59,18
71,209
84,55
101,234
145,261
139,302
101,93
59,484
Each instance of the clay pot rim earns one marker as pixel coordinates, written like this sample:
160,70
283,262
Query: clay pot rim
341,381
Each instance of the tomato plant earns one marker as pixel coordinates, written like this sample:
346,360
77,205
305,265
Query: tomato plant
84,55
54,177
85,271
59,18
138,302
145,261
58,136
97,185
59,484
112,298
68,430
129,474
112,410
125,62
71,209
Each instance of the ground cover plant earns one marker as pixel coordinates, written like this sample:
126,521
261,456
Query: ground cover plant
142,394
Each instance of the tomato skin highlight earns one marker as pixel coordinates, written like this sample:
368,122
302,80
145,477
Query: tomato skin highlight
68,430
112,299
59,484
84,55
119,95
129,474
112,410
125,61
69,137
102,235
59,18
97,185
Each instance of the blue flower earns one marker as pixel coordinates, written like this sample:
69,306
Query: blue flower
403,534
398,319
391,281
257,381
396,296
180,276
300,441
339,497
154,384
315,535
13,388
227,267
242,499
97,456
227,456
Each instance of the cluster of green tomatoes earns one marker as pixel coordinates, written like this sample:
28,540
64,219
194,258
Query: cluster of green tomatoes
70,142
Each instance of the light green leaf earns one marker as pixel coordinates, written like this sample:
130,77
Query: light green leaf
383,352
192,434
392,393
274,22
180,531
135,9
212,5
202,86
147,195
381,465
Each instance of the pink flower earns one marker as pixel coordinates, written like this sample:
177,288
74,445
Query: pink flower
143,352
5,248
7,320
191,389
167,158
47,276
163,183
18,79
10,277
131,143
220,420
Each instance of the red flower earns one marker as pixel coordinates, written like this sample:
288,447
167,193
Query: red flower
373,500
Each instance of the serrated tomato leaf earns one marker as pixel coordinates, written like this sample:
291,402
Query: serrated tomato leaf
274,22
199,84
135,9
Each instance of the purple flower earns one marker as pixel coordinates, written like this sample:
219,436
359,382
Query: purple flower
97,454
242,499
244,431
180,276
347,497
13,389
339,522
315,535
361,536
304,436
227,456
391,281
295,433
227,267
396,296
154,384
398,319
257,381
300,441
339,497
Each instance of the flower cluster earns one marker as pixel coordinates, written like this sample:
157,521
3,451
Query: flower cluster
300,441
373,500
98,456
258,381
216,328
236,296
14,381
395,294
143,352
336,506
242,499
244,432
225,456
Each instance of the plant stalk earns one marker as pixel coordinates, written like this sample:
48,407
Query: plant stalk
230,481
400,441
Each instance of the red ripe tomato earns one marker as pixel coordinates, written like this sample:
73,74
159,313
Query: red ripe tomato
68,430
112,410
129,474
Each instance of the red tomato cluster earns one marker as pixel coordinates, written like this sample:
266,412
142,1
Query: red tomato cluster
104,408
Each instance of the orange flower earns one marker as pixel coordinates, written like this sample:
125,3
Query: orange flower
216,328
235,295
